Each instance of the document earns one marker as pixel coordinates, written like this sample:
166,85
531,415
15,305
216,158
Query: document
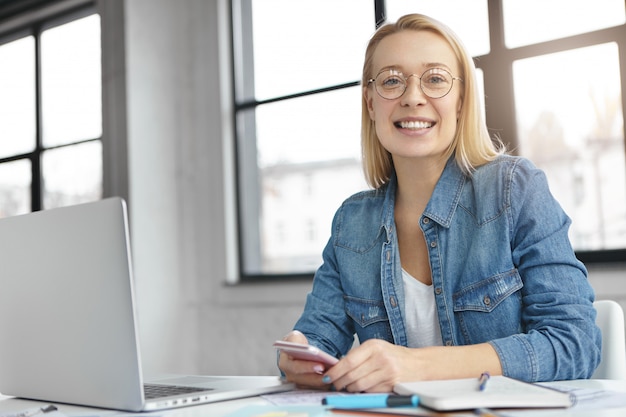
474,393
280,411
297,397
49,411
589,398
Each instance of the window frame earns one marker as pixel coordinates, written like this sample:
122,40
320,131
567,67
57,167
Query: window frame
497,66
34,22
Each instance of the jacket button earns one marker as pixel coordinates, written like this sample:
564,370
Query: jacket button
448,342
433,244
438,290
392,300
487,300
426,220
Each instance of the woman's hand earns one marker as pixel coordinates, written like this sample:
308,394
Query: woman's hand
374,366
377,365
305,374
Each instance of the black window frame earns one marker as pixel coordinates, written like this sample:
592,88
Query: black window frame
40,21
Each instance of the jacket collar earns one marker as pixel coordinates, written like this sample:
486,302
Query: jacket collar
442,204
447,193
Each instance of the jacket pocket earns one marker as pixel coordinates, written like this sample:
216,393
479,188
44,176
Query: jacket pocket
370,318
487,294
475,308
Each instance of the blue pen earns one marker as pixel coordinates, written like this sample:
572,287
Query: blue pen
482,381
371,401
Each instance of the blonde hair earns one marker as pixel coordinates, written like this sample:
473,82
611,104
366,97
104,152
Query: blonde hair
471,145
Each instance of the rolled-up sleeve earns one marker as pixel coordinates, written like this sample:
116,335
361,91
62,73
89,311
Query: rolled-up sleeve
560,339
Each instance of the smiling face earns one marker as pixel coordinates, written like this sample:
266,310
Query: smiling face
414,125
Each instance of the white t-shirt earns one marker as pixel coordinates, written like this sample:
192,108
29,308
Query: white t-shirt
422,321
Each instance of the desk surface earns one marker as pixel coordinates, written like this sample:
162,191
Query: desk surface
224,408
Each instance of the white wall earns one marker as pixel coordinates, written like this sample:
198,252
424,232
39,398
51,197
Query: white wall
609,282
168,123
167,127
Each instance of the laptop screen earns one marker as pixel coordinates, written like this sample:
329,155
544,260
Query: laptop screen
68,323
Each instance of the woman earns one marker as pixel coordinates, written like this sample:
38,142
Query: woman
458,261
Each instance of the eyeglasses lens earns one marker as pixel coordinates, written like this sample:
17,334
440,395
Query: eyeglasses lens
435,83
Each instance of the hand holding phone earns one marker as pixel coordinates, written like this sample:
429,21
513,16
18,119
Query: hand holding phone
305,352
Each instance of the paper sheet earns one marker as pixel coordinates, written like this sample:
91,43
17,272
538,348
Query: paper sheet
34,412
299,397
591,398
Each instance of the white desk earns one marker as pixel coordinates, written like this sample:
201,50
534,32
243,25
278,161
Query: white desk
221,409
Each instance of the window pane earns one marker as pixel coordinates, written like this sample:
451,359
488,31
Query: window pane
71,82
15,179
318,127
17,97
523,25
305,167
301,46
469,19
72,174
298,205
570,124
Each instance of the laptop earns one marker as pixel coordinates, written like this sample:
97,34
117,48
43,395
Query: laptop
68,331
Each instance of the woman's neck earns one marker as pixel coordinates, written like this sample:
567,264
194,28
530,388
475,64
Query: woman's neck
416,181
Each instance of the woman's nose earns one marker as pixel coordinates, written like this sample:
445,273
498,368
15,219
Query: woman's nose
413,94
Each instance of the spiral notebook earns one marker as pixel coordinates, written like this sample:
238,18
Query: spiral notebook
500,392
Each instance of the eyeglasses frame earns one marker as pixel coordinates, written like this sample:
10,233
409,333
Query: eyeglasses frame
406,83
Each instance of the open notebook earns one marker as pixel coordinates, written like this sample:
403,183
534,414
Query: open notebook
500,392
68,322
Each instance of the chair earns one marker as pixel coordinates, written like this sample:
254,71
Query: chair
610,319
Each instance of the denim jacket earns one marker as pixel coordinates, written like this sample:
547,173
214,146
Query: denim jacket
503,272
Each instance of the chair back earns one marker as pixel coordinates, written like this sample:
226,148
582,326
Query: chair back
610,320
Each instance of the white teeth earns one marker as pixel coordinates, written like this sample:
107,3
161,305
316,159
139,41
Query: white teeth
415,125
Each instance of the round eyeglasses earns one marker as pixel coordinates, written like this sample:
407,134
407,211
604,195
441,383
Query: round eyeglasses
434,82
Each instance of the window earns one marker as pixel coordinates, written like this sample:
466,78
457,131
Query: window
554,94
468,19
50,113
291,143
568,84
575,134
558,19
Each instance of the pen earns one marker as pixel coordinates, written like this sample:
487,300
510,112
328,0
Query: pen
482,381
371,401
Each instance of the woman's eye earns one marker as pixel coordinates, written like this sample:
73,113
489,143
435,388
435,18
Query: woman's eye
392,82
436,79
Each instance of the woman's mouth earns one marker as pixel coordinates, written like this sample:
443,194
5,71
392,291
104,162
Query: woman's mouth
414,124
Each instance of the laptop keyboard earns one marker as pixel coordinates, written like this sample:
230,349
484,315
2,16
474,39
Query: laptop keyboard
158,391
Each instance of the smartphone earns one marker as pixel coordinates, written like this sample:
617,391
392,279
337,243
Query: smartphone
305,352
